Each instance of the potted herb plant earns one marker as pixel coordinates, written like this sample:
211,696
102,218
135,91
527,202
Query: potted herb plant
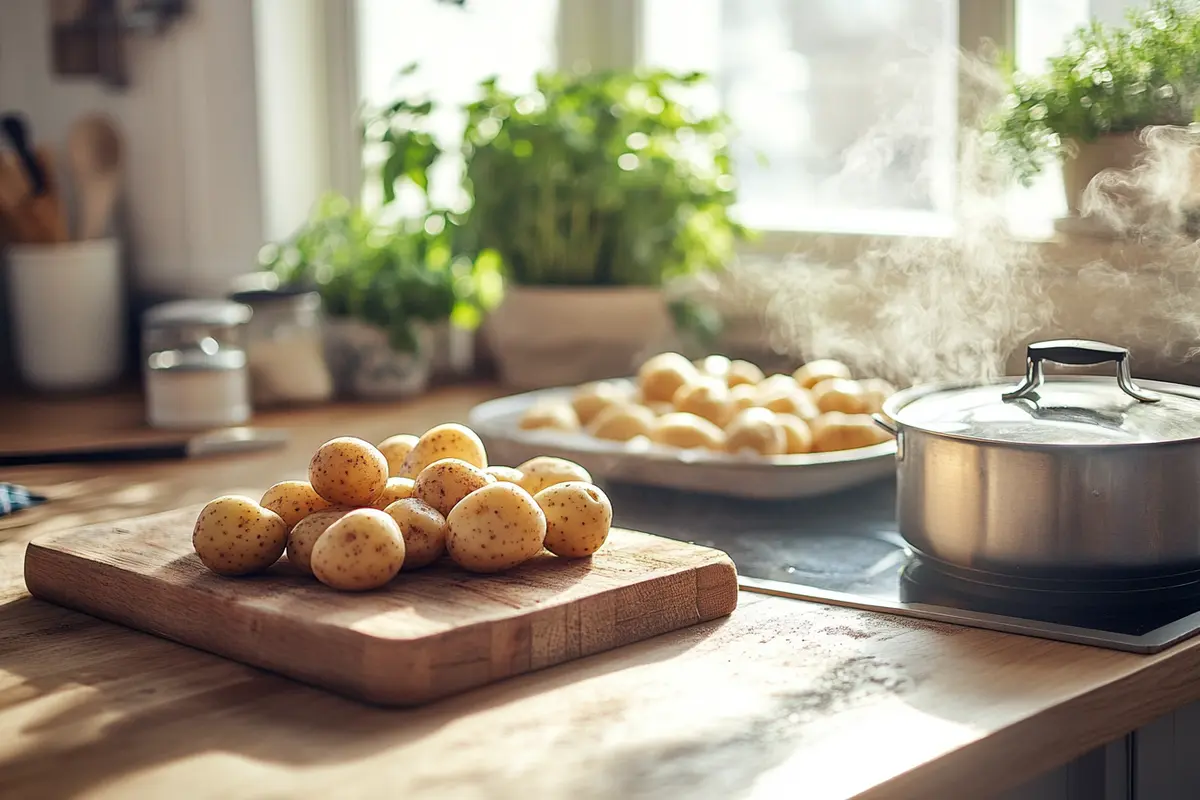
385,288
593,190
1095,98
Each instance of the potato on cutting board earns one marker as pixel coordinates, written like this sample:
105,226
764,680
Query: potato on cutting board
542,471
302,538
293,501
348,471
578,517
495,528
236,536
444,483
361,551
450,440
424,531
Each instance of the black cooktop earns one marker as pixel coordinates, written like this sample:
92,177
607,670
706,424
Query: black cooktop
843,549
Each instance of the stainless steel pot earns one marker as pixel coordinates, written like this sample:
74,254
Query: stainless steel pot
1072,477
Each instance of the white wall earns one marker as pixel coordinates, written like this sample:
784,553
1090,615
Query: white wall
194,201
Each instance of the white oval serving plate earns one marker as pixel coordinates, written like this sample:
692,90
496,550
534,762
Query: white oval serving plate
767,478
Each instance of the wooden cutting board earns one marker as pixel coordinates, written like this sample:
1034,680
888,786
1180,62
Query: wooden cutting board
429,634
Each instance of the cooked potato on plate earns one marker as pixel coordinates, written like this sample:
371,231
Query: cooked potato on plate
756,430
816,371
838,431
553,414
687,431
661,376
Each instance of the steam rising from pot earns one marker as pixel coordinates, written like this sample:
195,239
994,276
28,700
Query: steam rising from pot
955,307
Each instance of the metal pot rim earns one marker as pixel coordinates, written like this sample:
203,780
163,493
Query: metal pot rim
893,411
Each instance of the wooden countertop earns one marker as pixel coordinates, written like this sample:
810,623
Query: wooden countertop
784,697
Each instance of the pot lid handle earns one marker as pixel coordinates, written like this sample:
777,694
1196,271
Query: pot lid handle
1078,352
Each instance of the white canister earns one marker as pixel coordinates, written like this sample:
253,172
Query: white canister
196,374
68,311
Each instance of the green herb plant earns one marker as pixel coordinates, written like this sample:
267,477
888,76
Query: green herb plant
599,179
1108,80
388,271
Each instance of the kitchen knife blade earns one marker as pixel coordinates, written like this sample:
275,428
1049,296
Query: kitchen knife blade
211,443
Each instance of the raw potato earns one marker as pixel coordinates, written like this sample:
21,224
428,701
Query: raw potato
839,394
687,431
592,398
506,474
361,551
450,440
538,473
743,373
661,376
293,501
495,528
758,431
707,397
814,372
236,536
578,516
838,431
423,529
621,422
555,415
395,448
743,396
348,471
302,538
396,489
875,392
799,436
445,482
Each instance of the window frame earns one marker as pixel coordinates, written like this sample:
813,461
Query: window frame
606,35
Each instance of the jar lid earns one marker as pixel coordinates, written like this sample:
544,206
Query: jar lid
1080,410
265,286
178,313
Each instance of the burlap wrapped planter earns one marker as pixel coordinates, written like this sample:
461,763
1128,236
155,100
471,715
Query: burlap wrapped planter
555,336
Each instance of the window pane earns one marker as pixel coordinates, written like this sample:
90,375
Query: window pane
456,47
845,109
1042,29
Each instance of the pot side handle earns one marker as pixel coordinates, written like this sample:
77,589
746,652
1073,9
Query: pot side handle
1078,352
886,424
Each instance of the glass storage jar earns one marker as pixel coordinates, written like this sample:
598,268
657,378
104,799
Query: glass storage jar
195,366
285,342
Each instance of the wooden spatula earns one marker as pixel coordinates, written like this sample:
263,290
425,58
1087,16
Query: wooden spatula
94,148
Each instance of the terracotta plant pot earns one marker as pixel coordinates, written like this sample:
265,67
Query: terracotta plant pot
557,336
1110,151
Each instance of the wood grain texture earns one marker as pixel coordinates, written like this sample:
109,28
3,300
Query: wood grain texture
427,635
781,699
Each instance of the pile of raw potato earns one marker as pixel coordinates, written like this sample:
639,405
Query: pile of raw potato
366,512
728,406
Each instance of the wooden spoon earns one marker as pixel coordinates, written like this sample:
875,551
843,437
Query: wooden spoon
95,151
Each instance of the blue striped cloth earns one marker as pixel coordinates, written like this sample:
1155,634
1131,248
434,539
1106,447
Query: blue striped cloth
13,498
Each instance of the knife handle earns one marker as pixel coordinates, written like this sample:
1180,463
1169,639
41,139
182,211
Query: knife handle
145,452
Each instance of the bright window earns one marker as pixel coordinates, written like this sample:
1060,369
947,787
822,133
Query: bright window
456,47
844,108
845,111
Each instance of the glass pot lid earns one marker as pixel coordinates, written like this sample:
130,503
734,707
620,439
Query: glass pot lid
1059,410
